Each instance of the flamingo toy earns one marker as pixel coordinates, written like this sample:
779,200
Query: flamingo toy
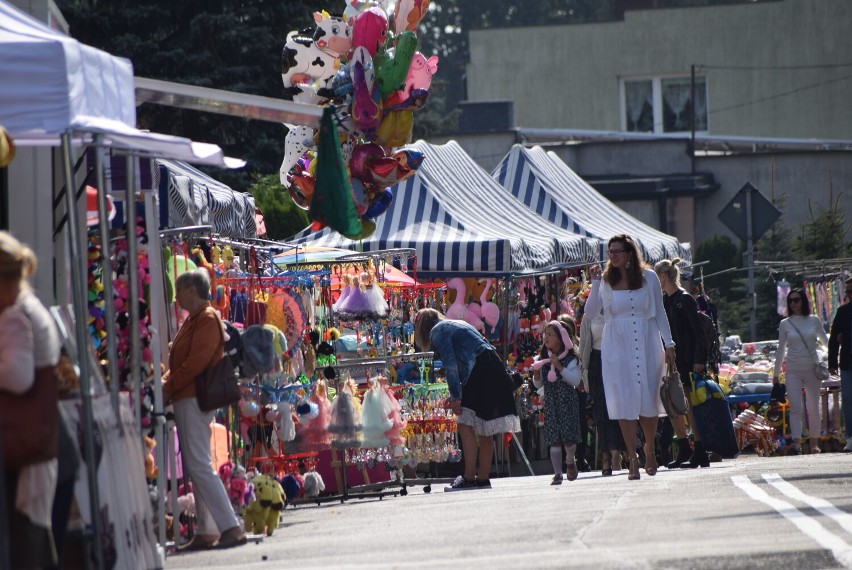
490,311
458,311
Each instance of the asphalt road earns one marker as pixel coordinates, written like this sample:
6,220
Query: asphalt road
779,513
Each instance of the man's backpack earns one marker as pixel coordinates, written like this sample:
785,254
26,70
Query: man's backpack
711,341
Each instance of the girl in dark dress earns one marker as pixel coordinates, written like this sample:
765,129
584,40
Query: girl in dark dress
558,372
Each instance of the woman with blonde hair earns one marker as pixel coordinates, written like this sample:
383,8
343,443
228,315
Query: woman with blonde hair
635,330
29,348
688,335
481,392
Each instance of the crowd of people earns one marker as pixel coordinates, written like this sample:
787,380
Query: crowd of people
637,324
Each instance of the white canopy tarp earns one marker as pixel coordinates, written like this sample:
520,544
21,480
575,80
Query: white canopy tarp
549,187
51,84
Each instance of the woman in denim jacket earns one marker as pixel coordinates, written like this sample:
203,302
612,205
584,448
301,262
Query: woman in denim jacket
481,392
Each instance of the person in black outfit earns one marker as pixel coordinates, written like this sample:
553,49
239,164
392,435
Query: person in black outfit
687,333
840,341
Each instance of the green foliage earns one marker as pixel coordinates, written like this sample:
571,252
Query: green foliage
224,44
825,236
281,215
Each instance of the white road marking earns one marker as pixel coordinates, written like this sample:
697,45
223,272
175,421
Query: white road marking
841,551
842,518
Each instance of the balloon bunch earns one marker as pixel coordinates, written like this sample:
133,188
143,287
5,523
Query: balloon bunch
375,79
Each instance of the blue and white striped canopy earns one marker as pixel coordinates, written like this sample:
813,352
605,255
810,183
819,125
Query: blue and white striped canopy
459,220
188,197
549,187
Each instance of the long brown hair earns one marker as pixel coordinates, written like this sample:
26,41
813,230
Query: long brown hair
424,321
636,263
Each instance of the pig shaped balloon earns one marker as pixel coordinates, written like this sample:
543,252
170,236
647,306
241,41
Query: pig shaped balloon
420,73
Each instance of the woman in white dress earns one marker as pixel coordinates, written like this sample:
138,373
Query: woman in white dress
635,330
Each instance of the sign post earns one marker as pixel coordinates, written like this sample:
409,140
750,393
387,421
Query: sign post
749,215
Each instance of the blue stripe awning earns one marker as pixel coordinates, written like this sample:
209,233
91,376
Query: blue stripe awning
549,187
459,220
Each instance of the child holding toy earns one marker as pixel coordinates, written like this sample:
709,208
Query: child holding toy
557,370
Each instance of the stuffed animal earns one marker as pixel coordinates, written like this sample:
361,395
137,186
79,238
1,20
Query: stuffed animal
292,485
262,514
150,465
313,484
237,488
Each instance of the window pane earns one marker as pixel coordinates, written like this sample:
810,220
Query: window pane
638,106
677,104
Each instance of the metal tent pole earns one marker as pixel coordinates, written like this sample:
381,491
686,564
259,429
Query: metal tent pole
78,279
135,378
103,172
158,323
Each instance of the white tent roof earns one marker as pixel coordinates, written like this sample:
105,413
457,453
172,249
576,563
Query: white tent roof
549,187
51,83
459,220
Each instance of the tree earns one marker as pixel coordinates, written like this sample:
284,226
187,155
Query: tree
281,215
233,45
824,237
722,255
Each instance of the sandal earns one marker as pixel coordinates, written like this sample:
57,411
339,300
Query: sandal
606,467
650,463
633,474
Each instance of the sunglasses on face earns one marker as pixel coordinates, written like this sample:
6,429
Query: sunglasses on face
616,251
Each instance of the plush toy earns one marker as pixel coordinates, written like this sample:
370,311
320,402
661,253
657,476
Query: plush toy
313,484
262,514
237,488
292,485
150,465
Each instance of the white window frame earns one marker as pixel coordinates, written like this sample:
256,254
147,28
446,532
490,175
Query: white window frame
657,99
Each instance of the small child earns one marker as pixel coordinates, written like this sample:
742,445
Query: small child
558,371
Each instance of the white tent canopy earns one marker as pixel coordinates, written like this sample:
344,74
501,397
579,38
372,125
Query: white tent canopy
461,221
549,187
51,84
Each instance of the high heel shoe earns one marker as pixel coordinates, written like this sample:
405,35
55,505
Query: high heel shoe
633,473
650,463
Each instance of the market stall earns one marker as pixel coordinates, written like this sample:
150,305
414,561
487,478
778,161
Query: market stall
460,221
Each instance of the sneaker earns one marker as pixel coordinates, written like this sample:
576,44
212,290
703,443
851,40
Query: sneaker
848,448
484,484
462,484
557,479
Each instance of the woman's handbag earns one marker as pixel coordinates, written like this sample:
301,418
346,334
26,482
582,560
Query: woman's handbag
672,394
217,386
29,422
820,368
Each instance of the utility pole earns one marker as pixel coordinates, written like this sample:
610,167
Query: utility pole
692,115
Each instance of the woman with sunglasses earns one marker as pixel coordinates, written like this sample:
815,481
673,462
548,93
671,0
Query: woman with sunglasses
797,340
635,330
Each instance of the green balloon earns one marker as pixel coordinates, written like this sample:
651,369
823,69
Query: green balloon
392,69
180,264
